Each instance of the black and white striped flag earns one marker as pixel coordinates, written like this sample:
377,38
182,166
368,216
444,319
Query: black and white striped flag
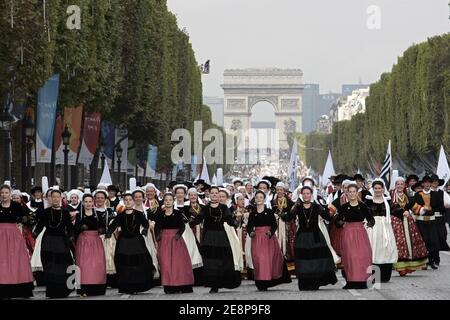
386,170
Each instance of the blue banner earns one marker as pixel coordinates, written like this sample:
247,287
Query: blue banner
108,135
151,160
45,121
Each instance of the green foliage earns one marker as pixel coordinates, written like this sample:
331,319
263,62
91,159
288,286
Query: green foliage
410,106
129,61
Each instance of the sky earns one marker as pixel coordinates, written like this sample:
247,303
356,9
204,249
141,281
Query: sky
328,39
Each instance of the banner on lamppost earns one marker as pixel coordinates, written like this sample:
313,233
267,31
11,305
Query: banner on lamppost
45,119
108,134
91,132
72,119
152,157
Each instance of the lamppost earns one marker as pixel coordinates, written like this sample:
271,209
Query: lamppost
102,154
29,135
66,141
119,162
5,124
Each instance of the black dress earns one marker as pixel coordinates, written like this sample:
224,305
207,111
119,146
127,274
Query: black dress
132,260
216,251
56,251
105,216
190,214
314,264
266,218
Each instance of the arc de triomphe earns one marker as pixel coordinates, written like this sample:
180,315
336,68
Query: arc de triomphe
283,88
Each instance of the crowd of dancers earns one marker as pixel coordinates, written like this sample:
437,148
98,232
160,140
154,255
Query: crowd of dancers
195,234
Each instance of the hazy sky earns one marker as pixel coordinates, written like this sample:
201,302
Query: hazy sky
328,39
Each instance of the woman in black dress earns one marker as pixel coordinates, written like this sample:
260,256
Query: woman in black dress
218,263
269,266
89,254
56,247
173,256
314,264
132,260
16,278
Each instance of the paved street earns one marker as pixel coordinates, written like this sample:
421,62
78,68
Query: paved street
426,285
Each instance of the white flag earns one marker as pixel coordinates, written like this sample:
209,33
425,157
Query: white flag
204,174
443,170
106,176
214,180
328,171
292,169
394,177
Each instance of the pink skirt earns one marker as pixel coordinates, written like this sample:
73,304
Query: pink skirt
174,260
90,258
266,255
15,266
356,252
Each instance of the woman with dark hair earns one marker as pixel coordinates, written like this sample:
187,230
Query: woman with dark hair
105,216
27,222
192,209
356,251
56,245
89,252
219,250
412,252
132,259
173,256
269,266
314,264
381,236
16,278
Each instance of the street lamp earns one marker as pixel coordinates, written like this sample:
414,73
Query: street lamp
6,120
66,141
102,156
119,162
29,135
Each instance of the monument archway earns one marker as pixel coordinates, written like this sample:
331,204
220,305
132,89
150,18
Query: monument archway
282,88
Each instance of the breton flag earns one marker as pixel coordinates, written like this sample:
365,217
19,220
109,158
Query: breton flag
292,169
205,67
386,170
443,170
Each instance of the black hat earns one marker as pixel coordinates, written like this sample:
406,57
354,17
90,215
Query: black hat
358,176
206,187
113,188
340,178
412,177
199,181
426,178
273,181
415,186
435,177
35,188
188,184
172,184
